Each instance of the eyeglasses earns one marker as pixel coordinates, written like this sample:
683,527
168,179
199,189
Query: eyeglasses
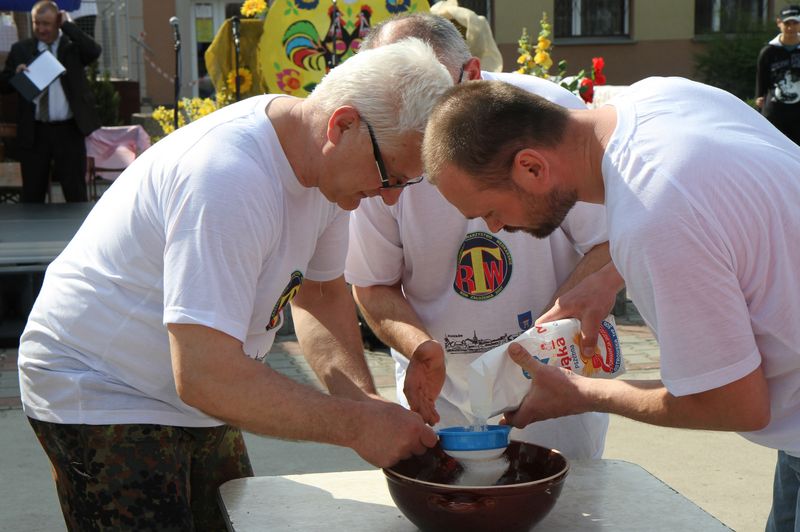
376,151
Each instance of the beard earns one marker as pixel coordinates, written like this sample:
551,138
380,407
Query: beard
546,213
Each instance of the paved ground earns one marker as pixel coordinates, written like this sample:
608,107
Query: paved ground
721,472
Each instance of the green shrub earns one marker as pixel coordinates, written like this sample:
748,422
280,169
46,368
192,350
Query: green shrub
106,97
729,60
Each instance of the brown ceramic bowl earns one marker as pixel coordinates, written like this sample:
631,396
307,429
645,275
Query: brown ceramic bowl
422,488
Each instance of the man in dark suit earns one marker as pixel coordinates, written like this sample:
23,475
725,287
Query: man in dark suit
52,129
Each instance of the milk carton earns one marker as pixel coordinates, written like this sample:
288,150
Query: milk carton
497,384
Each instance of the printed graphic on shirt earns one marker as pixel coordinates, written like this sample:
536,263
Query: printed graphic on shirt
525,320
786,75
459,344
483,267
787,89
288,294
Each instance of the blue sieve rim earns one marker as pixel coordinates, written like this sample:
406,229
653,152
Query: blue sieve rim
464,439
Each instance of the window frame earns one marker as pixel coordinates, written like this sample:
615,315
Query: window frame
577,22
716,17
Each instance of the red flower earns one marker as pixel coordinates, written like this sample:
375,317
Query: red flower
586,90
598,64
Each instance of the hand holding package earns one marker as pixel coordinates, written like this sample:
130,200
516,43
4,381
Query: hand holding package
497,384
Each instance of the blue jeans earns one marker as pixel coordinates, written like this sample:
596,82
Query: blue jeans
785,513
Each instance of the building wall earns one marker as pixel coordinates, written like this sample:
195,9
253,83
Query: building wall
655,20
136,52
627,63
159,67
661,41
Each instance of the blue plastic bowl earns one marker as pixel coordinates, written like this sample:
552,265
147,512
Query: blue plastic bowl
466,439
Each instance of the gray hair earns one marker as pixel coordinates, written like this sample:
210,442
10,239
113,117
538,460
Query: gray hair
393,87
440,33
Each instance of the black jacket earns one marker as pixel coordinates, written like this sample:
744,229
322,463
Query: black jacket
778,81
75,51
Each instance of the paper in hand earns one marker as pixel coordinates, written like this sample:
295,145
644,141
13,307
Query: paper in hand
42,71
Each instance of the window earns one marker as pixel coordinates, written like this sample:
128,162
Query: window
728,16
591,18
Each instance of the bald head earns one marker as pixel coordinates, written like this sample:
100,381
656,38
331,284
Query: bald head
44,6
445,39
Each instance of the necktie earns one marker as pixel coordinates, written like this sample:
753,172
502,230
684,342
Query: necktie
44,99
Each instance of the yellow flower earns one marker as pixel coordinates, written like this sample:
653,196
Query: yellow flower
524,58
223,99
543,59
253,8
245,80
164,118
206,108
544,43
189,110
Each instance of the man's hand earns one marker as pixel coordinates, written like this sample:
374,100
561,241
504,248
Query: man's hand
554,392
394,320
389,433
63,17
590,301
424,380
742,405
21,67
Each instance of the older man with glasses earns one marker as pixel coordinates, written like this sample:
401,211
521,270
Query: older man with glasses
142,359
386,182
439,288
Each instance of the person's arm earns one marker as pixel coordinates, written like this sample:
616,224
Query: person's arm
742,405
588,294
593,261
212,373
88,48
394,321
762,78
325,322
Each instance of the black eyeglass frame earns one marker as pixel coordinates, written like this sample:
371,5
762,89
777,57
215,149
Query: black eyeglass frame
376,152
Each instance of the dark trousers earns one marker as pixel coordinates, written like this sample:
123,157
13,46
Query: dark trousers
59,145
142,477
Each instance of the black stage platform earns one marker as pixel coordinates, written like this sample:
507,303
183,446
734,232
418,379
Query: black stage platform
31,236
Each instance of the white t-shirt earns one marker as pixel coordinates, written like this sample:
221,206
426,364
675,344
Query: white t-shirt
473,289
703,202
210,226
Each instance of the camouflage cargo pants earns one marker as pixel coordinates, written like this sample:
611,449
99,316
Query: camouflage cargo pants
142,477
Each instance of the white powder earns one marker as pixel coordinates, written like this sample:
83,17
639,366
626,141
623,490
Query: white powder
482,472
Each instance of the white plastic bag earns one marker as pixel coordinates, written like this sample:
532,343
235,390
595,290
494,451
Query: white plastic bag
497,384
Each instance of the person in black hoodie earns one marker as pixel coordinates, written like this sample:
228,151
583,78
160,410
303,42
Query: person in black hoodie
778,76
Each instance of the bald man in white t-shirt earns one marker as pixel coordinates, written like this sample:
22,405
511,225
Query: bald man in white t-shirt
441,289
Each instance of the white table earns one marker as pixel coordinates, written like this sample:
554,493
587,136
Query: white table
597,494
